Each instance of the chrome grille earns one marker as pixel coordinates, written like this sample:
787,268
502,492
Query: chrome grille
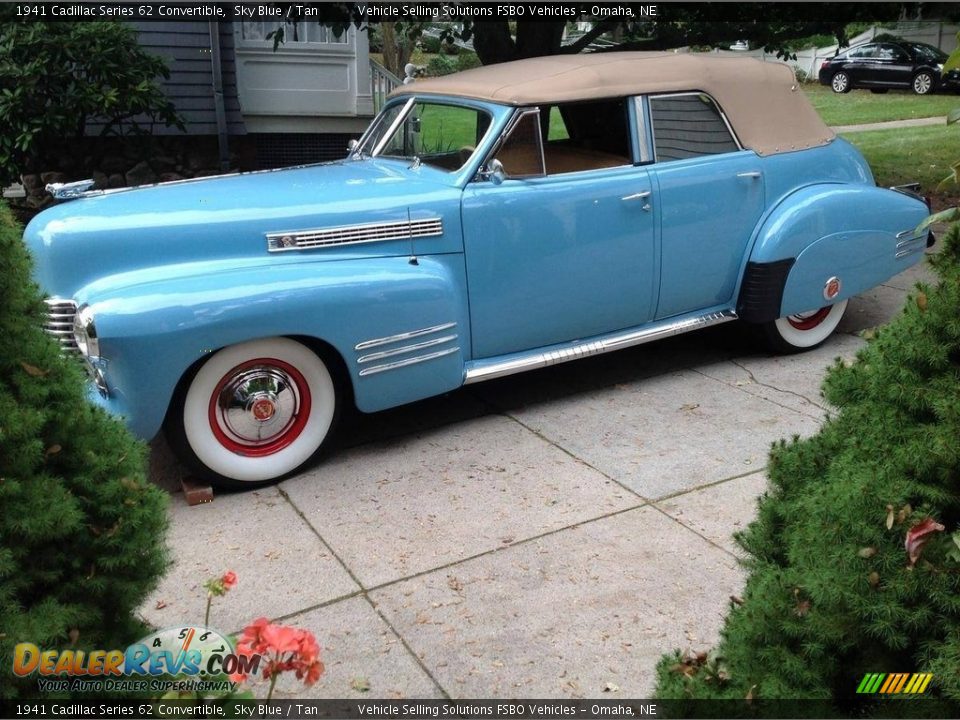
60,314
351,234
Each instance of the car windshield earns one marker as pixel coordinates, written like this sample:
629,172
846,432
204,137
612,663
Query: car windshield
927,53
439,134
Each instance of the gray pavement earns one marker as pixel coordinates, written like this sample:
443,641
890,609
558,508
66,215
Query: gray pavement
546,535
889,125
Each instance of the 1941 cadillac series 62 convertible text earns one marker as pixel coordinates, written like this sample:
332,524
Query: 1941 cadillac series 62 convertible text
498,220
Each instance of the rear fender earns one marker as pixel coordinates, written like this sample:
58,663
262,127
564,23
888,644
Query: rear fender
150,336
860,235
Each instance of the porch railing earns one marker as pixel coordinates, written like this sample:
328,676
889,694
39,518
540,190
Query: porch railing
382,81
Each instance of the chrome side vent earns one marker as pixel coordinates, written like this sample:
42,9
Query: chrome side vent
60,315
353,234
428,346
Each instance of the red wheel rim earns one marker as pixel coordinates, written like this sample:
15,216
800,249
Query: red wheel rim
808,321
259,407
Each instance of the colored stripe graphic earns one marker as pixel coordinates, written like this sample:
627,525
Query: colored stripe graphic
894,683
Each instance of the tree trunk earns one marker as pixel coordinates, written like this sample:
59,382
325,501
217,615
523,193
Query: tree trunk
492,42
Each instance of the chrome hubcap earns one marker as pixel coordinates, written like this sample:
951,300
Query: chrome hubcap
255,407
922,84
840,83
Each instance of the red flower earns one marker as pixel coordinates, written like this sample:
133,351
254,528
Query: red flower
282,649
917,537
229,579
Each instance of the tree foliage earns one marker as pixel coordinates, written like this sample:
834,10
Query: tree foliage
854,558
770,25
81,530
58,78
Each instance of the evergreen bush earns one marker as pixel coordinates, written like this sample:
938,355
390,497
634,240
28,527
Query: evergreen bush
832,591
81,528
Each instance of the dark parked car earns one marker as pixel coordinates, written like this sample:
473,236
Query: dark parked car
880,66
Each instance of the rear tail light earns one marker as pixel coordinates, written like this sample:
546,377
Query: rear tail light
823,65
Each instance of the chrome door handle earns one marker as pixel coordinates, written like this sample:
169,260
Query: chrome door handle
751,174
645,196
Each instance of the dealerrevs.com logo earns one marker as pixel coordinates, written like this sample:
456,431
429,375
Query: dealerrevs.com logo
184,658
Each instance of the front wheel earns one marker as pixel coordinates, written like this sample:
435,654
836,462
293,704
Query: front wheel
840,83
922,83
803,331
254,412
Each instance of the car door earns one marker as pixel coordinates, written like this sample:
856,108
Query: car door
890,65
710,194
860,64
560,245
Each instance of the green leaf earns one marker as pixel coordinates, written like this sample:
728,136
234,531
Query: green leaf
945,216
953,62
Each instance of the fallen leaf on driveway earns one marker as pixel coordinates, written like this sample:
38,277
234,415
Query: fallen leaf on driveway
161,604
360,684
611,687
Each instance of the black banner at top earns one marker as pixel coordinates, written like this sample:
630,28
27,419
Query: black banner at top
359,12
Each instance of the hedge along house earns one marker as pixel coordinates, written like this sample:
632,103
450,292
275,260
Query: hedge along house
300,103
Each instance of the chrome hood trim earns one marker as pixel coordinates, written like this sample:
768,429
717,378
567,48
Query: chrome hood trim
352,234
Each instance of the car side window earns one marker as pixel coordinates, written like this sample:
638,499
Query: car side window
574,137
892,52
521,153
689,125
863,52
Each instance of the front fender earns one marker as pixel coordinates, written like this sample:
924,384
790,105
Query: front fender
860,234
151,334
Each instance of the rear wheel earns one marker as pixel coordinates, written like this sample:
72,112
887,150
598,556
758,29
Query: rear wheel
803,331
254,412
922,83
840,82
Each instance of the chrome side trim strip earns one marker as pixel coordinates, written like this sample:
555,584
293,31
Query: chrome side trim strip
607,343
374,369
405,349
909,251
906,233
376,342
353,234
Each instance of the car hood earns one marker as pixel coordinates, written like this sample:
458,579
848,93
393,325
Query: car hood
228,217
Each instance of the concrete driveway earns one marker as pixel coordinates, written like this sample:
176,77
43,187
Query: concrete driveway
548,535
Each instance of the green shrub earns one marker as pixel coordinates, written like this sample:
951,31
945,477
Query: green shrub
81,529
55,77
467,60
831,593
441,65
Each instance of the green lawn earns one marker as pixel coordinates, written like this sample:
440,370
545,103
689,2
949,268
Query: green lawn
862,106
920,154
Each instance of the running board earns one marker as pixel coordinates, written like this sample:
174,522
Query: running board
480,370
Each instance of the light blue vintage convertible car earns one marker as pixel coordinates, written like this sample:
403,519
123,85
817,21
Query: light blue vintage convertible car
490,222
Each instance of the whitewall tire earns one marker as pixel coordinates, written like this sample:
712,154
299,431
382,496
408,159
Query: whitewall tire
804,331
255,412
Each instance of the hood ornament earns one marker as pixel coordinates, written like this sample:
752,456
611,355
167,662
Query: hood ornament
69,191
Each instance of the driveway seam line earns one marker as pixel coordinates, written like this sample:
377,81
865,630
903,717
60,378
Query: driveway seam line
696,532
754,380
705,486
364,594
567,452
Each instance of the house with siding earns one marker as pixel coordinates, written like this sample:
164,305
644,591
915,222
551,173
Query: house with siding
300,103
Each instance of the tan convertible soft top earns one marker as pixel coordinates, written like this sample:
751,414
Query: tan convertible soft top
766,108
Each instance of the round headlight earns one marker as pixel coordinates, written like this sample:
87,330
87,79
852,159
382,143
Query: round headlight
85,332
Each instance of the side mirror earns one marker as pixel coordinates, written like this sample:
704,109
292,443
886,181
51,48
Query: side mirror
352,147
494,172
